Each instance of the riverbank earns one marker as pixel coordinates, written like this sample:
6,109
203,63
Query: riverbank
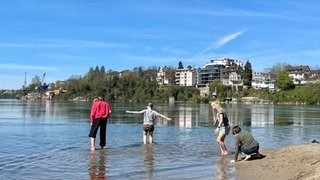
292,162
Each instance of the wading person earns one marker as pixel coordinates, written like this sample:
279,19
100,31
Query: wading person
149,118
246,145
223,128
100,112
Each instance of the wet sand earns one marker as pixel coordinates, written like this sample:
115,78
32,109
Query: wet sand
293,162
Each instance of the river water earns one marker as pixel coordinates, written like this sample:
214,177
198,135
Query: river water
49,140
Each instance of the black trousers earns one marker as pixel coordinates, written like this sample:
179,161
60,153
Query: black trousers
102,124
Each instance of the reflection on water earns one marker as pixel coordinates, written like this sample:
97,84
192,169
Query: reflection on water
48,140
251,115
185,115
97,165
254,115
148,161
222,165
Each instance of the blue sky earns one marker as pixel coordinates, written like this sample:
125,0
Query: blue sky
63,38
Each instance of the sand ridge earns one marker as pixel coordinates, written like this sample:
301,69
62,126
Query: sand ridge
292,162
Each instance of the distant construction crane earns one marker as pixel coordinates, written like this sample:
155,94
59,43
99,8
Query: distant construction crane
43,85
25,84
25,79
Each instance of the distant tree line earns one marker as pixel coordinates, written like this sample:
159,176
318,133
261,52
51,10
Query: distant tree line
138,85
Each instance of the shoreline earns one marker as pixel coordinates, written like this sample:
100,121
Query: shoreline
291,162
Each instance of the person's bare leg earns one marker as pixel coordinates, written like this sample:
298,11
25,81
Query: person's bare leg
219,142
242,156
223,148
246,156
150,137
144,137
92,142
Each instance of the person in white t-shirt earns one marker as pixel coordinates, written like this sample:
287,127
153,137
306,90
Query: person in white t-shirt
148,121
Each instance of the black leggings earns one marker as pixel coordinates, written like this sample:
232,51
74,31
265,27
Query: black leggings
102,123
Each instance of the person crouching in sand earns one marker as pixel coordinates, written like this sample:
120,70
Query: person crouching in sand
246,145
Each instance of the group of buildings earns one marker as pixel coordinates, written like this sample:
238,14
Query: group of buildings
230,73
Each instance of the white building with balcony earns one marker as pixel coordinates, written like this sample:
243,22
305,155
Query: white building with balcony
186,77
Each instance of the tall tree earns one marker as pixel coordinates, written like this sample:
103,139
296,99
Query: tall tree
247,74
180,65
284,82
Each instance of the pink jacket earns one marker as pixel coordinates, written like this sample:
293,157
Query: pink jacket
100,109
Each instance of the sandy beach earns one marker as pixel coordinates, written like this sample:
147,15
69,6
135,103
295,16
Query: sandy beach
293,162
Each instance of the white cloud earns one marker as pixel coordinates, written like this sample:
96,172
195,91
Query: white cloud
222,41
227,39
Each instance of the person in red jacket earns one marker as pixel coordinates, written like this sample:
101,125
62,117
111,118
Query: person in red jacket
100,112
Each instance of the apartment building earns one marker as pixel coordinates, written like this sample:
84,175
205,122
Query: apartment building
186,77
227,70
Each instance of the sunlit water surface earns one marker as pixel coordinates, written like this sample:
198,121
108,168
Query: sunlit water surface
49,140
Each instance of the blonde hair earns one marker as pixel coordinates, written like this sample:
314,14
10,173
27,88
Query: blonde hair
215,105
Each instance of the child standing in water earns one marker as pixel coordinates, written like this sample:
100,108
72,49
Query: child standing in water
148,121
223,128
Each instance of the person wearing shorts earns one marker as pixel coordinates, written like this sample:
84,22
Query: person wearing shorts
148,128
223,128
149,117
